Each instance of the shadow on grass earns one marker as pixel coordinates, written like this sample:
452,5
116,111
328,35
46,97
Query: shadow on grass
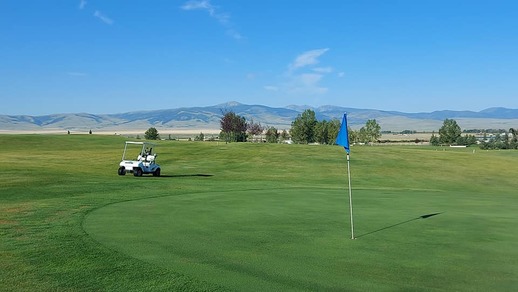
187,175
400,223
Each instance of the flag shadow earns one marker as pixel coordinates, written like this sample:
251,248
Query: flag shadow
400,223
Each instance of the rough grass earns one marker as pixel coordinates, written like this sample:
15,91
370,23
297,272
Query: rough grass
68,222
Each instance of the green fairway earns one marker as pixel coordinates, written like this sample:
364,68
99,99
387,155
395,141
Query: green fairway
255,217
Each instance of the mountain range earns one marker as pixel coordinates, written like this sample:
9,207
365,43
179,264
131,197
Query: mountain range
207,118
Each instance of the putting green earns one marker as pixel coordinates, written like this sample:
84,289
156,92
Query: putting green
288,239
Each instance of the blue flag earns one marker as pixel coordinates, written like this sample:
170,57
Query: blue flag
343,136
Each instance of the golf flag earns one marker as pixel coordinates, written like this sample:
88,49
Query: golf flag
343,140
343,136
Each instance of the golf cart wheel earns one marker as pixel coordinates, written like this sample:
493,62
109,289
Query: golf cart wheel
121,171
157,172
137,172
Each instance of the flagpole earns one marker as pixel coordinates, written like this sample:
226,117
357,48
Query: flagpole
343,139
350,197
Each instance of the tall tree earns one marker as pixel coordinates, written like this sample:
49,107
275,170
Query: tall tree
322,132
434,140
233,127
303,127
354,136
513,133
449,132
152,134
272,135
371,132
326,131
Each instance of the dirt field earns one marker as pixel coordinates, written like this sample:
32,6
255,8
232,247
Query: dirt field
405,137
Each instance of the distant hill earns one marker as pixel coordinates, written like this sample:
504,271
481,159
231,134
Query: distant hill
207,118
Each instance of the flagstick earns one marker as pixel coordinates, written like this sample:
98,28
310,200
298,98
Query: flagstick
350,197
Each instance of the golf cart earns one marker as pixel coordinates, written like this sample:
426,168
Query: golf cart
139,158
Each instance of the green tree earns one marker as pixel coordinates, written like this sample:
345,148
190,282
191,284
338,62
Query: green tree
285,135
326,131
371,132
505,141
434,140
322,132
354,136
461,140
272,135
200,137
332,131
303,127
152,134
513,133
362,135
472,140
449,132
233,127
497,142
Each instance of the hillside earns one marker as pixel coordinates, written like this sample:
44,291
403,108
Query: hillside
207,118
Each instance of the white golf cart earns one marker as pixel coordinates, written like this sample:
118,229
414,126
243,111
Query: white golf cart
139,158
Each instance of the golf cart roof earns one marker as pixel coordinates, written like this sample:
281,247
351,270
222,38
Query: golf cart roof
140,143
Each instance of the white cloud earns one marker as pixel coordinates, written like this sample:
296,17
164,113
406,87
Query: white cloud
307,58
82,4
194,4
207,6
341,74
307,83
222,17
323,70
303,76
103,17
310,79
234,34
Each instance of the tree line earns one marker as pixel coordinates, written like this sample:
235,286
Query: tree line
451,134
501,140
304,129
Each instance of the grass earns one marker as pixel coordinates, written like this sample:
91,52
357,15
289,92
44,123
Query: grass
255,217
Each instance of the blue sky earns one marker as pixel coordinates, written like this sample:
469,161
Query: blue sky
115,56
